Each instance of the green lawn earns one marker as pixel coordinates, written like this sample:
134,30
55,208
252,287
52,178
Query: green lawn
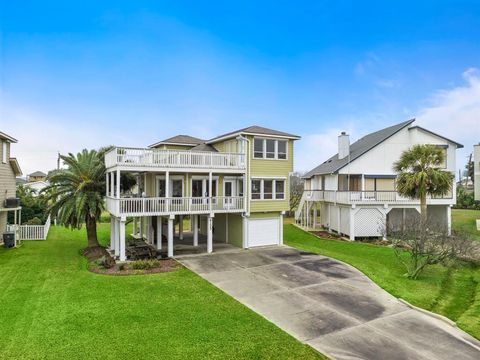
465,220
453,292
53,308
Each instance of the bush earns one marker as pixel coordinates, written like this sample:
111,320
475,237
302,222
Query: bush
466,200
145,264
34,221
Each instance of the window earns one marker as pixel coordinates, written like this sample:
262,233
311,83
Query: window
258,148
177,188
256,189
197,186
240,187
161,188
4,152
267,189
269,149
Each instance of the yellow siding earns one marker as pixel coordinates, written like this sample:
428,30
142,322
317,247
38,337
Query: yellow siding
173,147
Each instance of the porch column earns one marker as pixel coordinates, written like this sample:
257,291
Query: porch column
141,227
107,184
195,229
352,223
118,184
180,227
112,233
159,232
167,190
117,236
315,216
210,233
281,228
329,218
210,189
123,257
134,232
170,235
449,220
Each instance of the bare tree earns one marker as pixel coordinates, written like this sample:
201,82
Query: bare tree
424,243
296,190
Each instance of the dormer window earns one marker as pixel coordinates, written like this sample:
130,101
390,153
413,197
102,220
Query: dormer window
269,149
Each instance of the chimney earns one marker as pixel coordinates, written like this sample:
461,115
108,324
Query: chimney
343,145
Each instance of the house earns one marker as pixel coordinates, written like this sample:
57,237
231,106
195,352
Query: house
36,176
36,186
9,169
354,191
233,187
476,171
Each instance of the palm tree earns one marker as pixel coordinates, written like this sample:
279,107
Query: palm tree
76,193
420,174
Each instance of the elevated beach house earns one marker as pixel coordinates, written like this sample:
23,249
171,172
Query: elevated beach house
353,193
9,169
234,189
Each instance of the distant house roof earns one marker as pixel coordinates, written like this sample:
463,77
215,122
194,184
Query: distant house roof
253,130
180,140
37,173
7,137
20,181
204,147
357,149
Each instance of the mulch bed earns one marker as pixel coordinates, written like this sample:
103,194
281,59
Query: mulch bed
165,265
326,235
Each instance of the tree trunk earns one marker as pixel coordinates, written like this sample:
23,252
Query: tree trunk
423,208
91,224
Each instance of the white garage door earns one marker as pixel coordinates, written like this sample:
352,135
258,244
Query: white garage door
263,232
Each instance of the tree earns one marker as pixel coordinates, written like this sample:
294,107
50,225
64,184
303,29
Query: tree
33,205
469,170
75,193
296,190
420,174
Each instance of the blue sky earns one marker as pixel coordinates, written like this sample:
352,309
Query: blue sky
132,73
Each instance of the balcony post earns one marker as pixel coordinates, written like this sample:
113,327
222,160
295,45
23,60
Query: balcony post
159,232
118,184
112,233
195,229
449,220
352,223
167,191
170,235
107,176
180,227
122,239
210,233
210,190
117,236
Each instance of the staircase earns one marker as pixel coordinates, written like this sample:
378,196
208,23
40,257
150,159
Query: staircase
299,210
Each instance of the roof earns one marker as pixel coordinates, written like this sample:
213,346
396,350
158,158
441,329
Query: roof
180,140
459,146
15,166
357,149
204,147
37,173
7,137
254,130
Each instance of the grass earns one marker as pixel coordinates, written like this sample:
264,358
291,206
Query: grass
53,308
465,220
453,292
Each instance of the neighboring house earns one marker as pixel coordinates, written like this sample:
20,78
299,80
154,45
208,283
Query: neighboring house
36,186
354,191
9,169
36,176
476,171
234,187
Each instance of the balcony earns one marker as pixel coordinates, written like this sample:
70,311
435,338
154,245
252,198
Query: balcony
157,206
368,197
142,159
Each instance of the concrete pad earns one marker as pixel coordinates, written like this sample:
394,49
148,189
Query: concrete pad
363,342
209,263
286,254
417,330
289,276
248,259
328,267
352,301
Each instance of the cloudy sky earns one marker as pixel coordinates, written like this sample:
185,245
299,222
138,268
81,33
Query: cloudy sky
132,73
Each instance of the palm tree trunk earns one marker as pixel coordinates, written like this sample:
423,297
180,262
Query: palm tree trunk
423,208
91,224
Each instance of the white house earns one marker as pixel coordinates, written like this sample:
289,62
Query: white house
354,193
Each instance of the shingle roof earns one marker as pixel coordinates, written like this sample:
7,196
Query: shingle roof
357,149
204,147
180,140
255,130
7,137
37,173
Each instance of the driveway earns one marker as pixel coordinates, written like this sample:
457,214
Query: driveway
331,306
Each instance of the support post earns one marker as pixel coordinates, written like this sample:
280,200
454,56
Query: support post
210,233
123,256
118,184
352,223
107,184
314,216
141,227
281,229
117,236
180,227
167,190
244,232
449,220
112,233
159,232
170,235
195,229
210,189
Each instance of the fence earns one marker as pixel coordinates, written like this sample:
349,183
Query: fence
31,232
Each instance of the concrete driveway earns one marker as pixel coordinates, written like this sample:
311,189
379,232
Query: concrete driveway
331,306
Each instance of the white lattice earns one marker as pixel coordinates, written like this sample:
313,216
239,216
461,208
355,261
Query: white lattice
369,222
345,220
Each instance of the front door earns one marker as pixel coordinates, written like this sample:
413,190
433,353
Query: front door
229,193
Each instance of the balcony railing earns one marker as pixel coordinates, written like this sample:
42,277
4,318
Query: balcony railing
132,157
364,197
174,205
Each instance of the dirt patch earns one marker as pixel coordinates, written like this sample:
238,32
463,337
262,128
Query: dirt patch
326,235
94,253
164,265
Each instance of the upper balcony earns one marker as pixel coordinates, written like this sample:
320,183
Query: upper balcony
144,159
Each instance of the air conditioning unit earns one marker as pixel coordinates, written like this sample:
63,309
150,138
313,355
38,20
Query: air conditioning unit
12,202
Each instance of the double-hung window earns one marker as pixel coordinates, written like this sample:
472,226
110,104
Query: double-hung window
269,149
268,189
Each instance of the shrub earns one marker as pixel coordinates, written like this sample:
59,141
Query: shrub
34,221
466,200
145,264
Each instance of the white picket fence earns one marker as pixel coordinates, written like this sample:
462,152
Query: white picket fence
31,232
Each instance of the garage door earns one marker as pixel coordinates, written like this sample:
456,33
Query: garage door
263,232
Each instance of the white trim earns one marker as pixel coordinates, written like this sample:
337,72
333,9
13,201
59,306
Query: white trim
274,192
4,151
264,148
169,188
239,133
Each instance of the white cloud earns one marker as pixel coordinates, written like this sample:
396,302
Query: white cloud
455,114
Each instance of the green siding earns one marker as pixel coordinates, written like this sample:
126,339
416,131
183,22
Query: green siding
235,230
220,227
264,215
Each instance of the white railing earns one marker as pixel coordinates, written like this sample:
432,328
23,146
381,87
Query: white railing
132,157
173,205
31,232
362,197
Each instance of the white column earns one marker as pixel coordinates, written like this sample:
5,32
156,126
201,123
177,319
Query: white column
210,233
123,257
329,217
352,223
112,233
195,229
449,220
159,232
167,190
107,184
170,235
134,232
210,189
141,227
315,216
118,184
180,227
117,236
244,232
281,229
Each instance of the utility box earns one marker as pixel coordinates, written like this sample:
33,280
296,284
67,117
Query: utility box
12,202
9,239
